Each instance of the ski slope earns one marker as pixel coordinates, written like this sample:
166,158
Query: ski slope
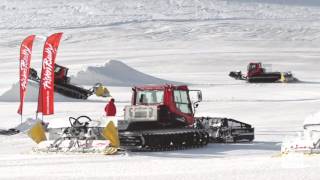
193,41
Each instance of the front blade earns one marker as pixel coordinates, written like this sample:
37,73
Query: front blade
110,132
37,133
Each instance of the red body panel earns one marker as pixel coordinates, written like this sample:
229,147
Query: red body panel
60,75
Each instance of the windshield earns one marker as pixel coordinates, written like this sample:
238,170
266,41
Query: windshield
57,69
182,101
252,67
149,97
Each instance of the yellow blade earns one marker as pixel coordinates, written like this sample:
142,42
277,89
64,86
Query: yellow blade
110,132
102,91
282,79
37,133
111,151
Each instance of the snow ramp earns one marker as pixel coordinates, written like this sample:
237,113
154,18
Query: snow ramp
116,73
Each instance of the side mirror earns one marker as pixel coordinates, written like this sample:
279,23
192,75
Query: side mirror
199,94
196,105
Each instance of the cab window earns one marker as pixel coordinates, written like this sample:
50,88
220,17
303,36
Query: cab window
182,101
149,97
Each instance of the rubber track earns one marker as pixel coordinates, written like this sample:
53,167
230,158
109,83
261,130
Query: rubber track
9,132
73,91
164,140
69,90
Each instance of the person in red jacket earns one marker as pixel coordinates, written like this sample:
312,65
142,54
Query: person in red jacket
110,108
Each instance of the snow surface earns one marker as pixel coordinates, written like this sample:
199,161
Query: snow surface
312,119
194,41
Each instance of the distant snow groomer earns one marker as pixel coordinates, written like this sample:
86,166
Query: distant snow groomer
63,85
258,74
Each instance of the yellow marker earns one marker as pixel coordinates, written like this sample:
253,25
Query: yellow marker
282,79
110,151
110,132
37,133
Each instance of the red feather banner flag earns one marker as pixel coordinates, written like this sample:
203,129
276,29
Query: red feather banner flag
24,68
46,89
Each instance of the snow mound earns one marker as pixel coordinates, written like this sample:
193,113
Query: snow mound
13,94
115,73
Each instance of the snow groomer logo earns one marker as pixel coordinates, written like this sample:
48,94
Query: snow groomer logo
26,53
48,66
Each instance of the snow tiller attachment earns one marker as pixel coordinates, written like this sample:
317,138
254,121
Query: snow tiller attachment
83,135
225,130
162,118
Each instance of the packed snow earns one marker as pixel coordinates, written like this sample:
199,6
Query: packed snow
193,41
